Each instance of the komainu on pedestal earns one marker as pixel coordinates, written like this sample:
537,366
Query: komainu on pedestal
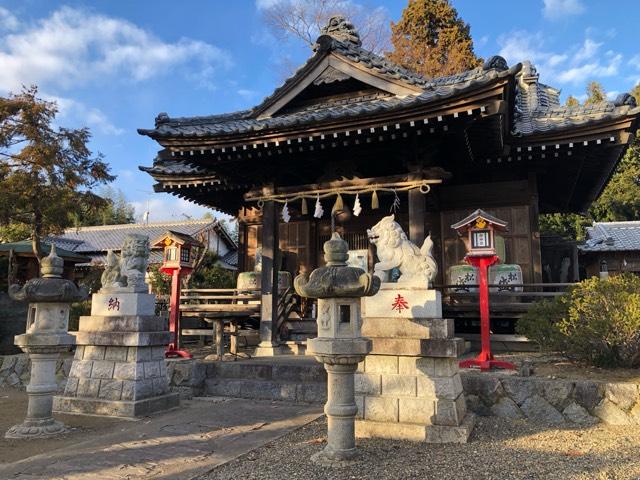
409,386
119,367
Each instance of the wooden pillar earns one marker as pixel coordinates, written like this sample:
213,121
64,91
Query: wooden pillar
417,217
534,213
269,282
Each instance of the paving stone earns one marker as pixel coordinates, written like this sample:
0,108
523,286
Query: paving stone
506,408
128,371
88,387
8,363
578,415
486,387
537,409
450,412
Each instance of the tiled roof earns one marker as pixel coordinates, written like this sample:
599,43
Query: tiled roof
612,236
538,108
102,238
246,121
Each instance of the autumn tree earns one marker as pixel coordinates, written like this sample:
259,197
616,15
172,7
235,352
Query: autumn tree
46,172
595,93
303,19
572,101
431,39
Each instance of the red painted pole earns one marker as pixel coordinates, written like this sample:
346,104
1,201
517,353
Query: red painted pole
173,349
485,359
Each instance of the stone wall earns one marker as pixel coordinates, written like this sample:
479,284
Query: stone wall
15,370
552,401
185,376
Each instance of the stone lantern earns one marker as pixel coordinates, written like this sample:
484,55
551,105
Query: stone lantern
50,299
339,345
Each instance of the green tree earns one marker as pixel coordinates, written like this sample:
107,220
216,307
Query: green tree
46,172
115,210
432,39
211,275
595,93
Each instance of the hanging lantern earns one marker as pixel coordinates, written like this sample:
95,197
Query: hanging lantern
318,210
357,208
374,201
339,205
285,213
304,208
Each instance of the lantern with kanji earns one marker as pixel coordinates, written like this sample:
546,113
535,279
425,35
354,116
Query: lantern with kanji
478,232
179,257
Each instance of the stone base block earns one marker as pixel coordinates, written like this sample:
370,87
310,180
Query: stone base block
122,304
434,347
416,432
394,300
119,408
422,328
36,429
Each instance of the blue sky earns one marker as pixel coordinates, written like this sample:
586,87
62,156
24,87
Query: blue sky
113,65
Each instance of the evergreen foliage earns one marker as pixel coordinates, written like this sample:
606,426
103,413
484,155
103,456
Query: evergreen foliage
46,172
431,39
597,321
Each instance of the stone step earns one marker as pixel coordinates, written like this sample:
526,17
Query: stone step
281,371
296,347
307,392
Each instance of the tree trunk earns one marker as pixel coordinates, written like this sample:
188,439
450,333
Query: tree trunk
35,235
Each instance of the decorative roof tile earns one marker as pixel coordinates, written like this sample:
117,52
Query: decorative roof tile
612,237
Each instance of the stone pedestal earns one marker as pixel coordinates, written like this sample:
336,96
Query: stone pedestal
119,367
409,386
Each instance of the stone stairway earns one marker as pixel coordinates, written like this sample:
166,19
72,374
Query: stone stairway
292,379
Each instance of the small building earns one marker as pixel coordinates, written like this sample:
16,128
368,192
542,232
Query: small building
94,242
24,265
613,247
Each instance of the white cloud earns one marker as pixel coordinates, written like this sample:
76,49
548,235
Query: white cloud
576,65
264,4
77,112
164,207
8,21
558,9
73,47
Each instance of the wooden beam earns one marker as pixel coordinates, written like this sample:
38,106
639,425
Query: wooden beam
432,175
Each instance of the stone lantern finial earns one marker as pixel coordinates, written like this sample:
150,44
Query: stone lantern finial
52,265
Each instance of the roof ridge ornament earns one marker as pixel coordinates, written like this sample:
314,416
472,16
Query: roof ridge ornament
496,62
337,28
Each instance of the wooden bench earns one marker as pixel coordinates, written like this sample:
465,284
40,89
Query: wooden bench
219,306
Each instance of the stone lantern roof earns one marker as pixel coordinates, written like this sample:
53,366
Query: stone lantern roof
336,279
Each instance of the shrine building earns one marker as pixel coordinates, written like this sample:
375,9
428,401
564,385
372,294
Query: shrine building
352,137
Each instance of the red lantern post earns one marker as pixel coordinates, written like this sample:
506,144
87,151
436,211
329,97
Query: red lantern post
178,261
481,253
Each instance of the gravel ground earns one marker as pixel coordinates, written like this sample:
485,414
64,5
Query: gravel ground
498,449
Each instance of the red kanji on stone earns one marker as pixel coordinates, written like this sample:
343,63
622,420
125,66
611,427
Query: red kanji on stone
399,304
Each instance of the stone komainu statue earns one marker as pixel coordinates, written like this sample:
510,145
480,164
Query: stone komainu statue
129,270
417,266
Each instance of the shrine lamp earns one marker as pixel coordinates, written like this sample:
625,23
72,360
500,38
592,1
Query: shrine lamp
480,229
179,252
